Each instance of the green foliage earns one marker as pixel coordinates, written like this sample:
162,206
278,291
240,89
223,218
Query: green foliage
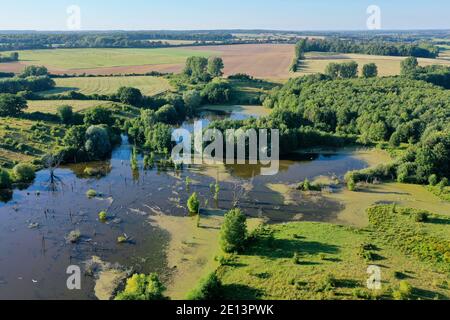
433,180
142,287
130,96
209,288
370,70
193,204
408,66
98,144
351,185
296,258
159,138
402,232
345,70
5,179
11,105
97,116
420,216
36,71
233,232
91,193
404,291
368,46
167,114
215,66
134,159
192,100
196,69
306,185
217,91
24,172
65,113
102,216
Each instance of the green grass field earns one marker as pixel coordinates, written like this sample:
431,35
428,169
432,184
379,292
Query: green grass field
107,85
51,106
24,140
96,58
330,260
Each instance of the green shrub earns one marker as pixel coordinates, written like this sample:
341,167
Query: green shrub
209,288
351,185
361,294
142,287
233,233
102,216
91,193
193,203
296,258
421,216
5,179
24,172
433,180
404,291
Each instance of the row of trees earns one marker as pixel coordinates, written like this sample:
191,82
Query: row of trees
435,74
201,69
128,39
32,84
383,48
349,70
12,57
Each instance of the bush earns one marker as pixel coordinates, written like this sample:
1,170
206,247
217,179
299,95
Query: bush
420,216
351,185
5,179
24,172
209,288
404,291
233,233
11,105
65,113
193,203
102,216
142,287
91,193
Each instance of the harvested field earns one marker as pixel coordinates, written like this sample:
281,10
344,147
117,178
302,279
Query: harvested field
387,66
270,61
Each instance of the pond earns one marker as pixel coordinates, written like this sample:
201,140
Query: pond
34,224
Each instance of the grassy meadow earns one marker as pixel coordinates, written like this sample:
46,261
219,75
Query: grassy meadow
51,106
25,140
101,58
307,260
106,85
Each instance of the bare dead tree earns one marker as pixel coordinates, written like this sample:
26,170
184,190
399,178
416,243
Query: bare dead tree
52,162
241,190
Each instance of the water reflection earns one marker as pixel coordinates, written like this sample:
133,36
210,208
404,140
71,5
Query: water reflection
34,223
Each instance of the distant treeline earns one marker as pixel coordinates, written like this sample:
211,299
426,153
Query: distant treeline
14,56
23,41
33,84
421,50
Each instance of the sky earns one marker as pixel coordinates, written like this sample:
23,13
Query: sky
297,15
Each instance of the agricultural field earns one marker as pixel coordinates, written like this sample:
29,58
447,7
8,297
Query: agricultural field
51,106
387,66
267,61
107,85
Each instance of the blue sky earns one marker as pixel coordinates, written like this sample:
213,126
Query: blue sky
224,14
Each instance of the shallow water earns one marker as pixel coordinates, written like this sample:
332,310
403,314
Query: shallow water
33,261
